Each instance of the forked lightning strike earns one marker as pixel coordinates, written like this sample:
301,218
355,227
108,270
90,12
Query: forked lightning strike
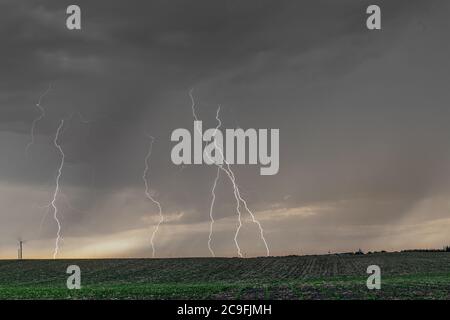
149,196
239,199
211,209
213,191
37,119
219,167
56,192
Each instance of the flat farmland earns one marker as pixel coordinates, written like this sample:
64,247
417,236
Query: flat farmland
409,275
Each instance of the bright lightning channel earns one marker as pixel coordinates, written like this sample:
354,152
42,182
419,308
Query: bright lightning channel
213,190
48,206
53,204
211,209
149,195
38,118
56,192
237,194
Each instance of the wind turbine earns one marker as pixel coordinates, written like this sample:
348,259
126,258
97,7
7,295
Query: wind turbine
20,249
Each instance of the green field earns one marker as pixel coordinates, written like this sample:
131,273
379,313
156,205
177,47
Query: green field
418,275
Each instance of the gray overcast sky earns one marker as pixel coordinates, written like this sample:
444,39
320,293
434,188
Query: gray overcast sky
363,118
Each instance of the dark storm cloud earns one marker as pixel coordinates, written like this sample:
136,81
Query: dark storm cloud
135,51
362,114
129,58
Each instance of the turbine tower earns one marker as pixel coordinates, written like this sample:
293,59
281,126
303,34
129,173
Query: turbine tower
20,250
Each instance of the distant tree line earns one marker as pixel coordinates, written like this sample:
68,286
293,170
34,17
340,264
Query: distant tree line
444,249
361,252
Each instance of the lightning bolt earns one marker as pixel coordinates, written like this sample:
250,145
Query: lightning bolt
236,191
211,208
213,189
53,204
56,192
149,195
60,131
37,119
219,167
48,206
